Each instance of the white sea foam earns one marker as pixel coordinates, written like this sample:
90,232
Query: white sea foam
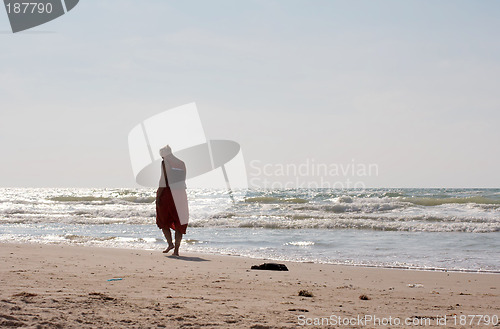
300,243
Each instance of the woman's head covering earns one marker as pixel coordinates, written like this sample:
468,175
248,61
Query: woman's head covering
165,151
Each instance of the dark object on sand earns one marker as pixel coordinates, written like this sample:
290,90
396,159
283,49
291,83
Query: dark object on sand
24,294
301,310
270,267
364,297
305,293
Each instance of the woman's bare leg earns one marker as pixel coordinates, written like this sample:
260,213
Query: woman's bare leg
168,236
178,238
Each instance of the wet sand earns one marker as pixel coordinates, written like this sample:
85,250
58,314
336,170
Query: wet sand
54,286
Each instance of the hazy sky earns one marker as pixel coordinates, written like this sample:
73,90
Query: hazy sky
412,86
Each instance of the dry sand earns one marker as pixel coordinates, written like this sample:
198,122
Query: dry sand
53,286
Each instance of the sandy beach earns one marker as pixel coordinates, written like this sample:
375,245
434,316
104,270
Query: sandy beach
54,286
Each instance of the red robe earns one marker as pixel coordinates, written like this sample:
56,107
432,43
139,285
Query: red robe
167,214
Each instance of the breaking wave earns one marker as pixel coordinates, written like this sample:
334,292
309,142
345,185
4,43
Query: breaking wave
411,224
268,199
417,210
101,199
441,201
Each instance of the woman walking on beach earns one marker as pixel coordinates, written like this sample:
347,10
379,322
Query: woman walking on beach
171,199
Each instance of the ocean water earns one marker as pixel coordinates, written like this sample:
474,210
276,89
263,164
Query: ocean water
434,229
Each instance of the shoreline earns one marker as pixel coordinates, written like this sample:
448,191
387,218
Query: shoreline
408,268
67,286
